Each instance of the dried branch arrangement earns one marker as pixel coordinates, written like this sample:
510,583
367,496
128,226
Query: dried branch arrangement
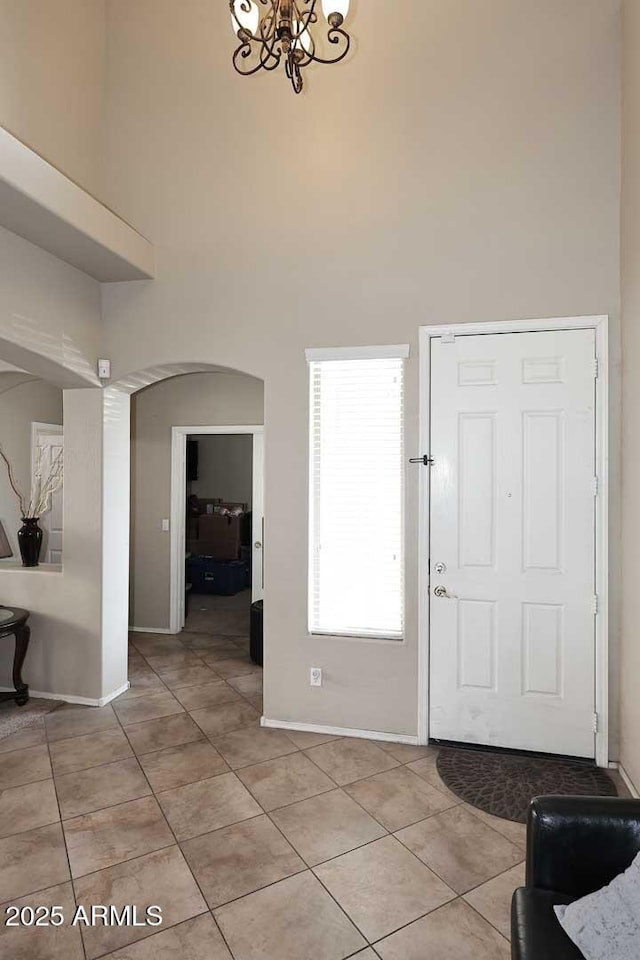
47,479
12,481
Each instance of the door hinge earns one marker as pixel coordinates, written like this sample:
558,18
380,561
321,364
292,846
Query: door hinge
596,368
596,486
596,605
596,723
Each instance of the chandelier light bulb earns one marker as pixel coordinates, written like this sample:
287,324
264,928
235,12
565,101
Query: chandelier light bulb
303,38
245,16
340,7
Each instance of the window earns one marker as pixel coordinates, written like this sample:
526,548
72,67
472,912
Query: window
357,492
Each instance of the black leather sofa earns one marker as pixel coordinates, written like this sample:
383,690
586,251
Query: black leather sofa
575,845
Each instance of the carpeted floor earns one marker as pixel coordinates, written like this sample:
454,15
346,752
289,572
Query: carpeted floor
504,784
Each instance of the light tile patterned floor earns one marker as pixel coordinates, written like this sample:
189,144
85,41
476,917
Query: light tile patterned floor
258,844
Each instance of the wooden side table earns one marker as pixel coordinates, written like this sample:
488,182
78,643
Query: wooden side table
13,622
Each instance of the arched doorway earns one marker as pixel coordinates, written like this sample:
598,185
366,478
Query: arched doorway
117,548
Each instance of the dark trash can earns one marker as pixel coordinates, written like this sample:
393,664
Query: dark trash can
255,632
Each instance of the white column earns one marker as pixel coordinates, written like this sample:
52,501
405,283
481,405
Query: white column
115,539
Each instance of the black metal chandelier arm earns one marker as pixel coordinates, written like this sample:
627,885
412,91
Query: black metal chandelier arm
305,17
336,35
292,70
271,52
268,27
243,52
244,5
305,57
270,57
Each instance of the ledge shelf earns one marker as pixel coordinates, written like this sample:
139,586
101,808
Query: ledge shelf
14,566
42,205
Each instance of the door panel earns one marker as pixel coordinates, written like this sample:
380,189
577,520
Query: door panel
542,649
512,632
476,463
476,645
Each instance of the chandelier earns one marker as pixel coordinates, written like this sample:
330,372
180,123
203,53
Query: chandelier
271,31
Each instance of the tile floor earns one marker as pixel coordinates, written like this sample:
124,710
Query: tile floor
257,844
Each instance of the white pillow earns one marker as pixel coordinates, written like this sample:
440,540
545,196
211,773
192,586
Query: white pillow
606,925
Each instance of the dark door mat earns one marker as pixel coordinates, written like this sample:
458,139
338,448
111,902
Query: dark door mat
504,784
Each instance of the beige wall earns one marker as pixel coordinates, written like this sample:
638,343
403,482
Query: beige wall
225,468
50,327
197,399
464,169
51,81
50,310
23,400
630,702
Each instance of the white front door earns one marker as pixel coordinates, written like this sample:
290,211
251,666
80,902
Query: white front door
49,439
512,548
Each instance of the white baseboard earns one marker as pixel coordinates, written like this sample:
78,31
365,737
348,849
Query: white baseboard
338,731
151,630
627,780
112,696
70,698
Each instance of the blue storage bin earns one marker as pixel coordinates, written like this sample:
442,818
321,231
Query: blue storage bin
221,577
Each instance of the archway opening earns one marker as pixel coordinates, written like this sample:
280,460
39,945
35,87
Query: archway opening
169,560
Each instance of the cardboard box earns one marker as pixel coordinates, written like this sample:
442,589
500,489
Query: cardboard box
208,504
230,505
220,537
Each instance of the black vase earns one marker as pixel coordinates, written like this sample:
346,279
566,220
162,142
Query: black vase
30,541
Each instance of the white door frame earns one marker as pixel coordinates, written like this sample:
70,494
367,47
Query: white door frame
178,499
601,326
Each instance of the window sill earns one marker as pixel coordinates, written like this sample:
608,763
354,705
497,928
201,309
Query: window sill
363,637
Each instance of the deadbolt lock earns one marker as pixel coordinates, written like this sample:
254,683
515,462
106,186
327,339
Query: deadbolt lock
440,567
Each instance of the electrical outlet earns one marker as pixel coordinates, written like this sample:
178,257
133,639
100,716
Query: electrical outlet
315,677
165,526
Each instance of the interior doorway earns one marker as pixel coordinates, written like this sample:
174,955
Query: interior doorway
217,526
514,533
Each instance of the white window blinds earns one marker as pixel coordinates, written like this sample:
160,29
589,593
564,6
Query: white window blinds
357,497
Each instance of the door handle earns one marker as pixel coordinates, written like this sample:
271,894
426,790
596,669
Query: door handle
442,592
258,545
